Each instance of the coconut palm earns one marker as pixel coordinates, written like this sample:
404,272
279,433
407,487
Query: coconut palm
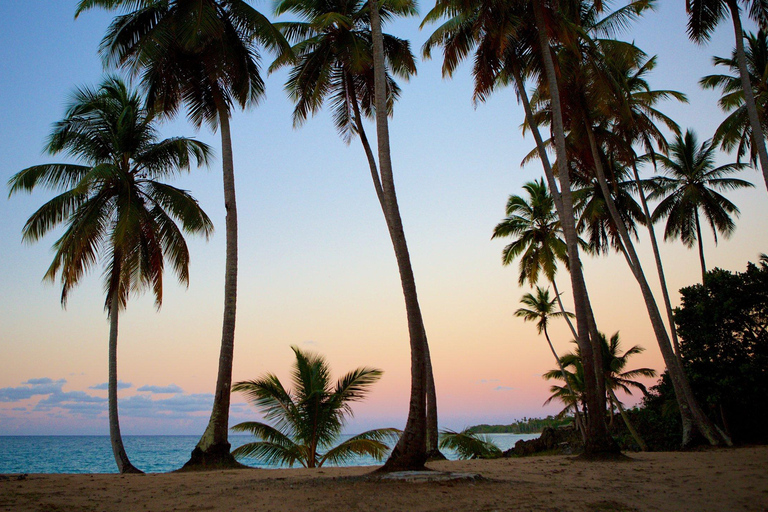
735,132
115,208
690,190
334,62
202,54
411,449
703,17
513,42
617,377
309,418
540,309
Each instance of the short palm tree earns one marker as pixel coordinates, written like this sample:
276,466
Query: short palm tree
310,417
202,54
469,445
735,132
114,208
690,190
616,377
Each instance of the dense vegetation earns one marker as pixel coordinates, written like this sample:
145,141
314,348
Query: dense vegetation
523,426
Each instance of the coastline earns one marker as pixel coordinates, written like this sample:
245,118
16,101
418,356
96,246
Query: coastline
708,480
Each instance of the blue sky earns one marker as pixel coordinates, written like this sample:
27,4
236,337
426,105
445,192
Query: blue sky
316,266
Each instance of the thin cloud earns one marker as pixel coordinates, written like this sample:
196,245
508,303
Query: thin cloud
30,388
503,388
160,390
105,386
488,381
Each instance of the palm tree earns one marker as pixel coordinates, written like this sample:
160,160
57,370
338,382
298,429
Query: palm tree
703,17
334,61
616,377
310,417
736,131
202,54
513,41
540,309
690,190
411,449
469,445
114,207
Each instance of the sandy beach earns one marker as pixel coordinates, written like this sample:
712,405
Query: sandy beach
709,480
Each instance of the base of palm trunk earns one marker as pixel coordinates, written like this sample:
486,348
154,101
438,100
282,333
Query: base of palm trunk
215,457
399,461
602,449
435,455
130,469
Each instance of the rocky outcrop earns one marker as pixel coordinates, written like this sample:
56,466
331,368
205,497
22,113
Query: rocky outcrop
565,440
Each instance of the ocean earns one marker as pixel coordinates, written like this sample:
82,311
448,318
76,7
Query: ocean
151,454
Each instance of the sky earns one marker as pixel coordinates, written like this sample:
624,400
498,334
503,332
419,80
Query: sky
316,265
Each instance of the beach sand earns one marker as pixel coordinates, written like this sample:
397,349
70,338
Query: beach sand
709,480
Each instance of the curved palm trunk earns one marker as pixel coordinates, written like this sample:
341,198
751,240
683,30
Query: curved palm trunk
577,414
659,266
213,448
758,137
701,247
691,413
410,452
627,422
121,457
433,451
598,439
562,310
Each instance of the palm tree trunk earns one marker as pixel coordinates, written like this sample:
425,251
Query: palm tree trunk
659,266
577,414
758,137
213,448
410,453
627,422
433,452
690,411
118,450
598,440
701,247
562,310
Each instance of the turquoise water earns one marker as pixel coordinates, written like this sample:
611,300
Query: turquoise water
152,454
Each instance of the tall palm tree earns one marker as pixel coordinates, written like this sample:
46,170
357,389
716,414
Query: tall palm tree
202,54
114,208
334,61
736,131
513,43
690,190
310,417
703,17
540,309
411,449
616,377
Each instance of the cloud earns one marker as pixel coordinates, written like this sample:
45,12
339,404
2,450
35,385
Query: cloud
488,381
30,388
75,402
175,406
173,388
105,385
503,388
311,343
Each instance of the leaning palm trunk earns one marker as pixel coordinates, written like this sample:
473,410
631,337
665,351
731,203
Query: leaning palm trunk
701,247
690,412
213,448
433,451
627,422
758,137
577,414
121,457
410,451
598,439
659,266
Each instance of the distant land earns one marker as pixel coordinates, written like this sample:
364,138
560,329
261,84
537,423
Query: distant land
524,426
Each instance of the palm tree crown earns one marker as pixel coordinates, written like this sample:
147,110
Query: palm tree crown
691,188
310,417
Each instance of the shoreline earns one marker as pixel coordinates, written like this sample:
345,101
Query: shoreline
733,479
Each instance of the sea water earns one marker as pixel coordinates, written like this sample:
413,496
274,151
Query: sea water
151,454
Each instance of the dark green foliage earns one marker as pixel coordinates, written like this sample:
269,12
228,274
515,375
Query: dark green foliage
524,426
469,445
724,344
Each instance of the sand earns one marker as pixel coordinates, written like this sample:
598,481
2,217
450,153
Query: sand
710,480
